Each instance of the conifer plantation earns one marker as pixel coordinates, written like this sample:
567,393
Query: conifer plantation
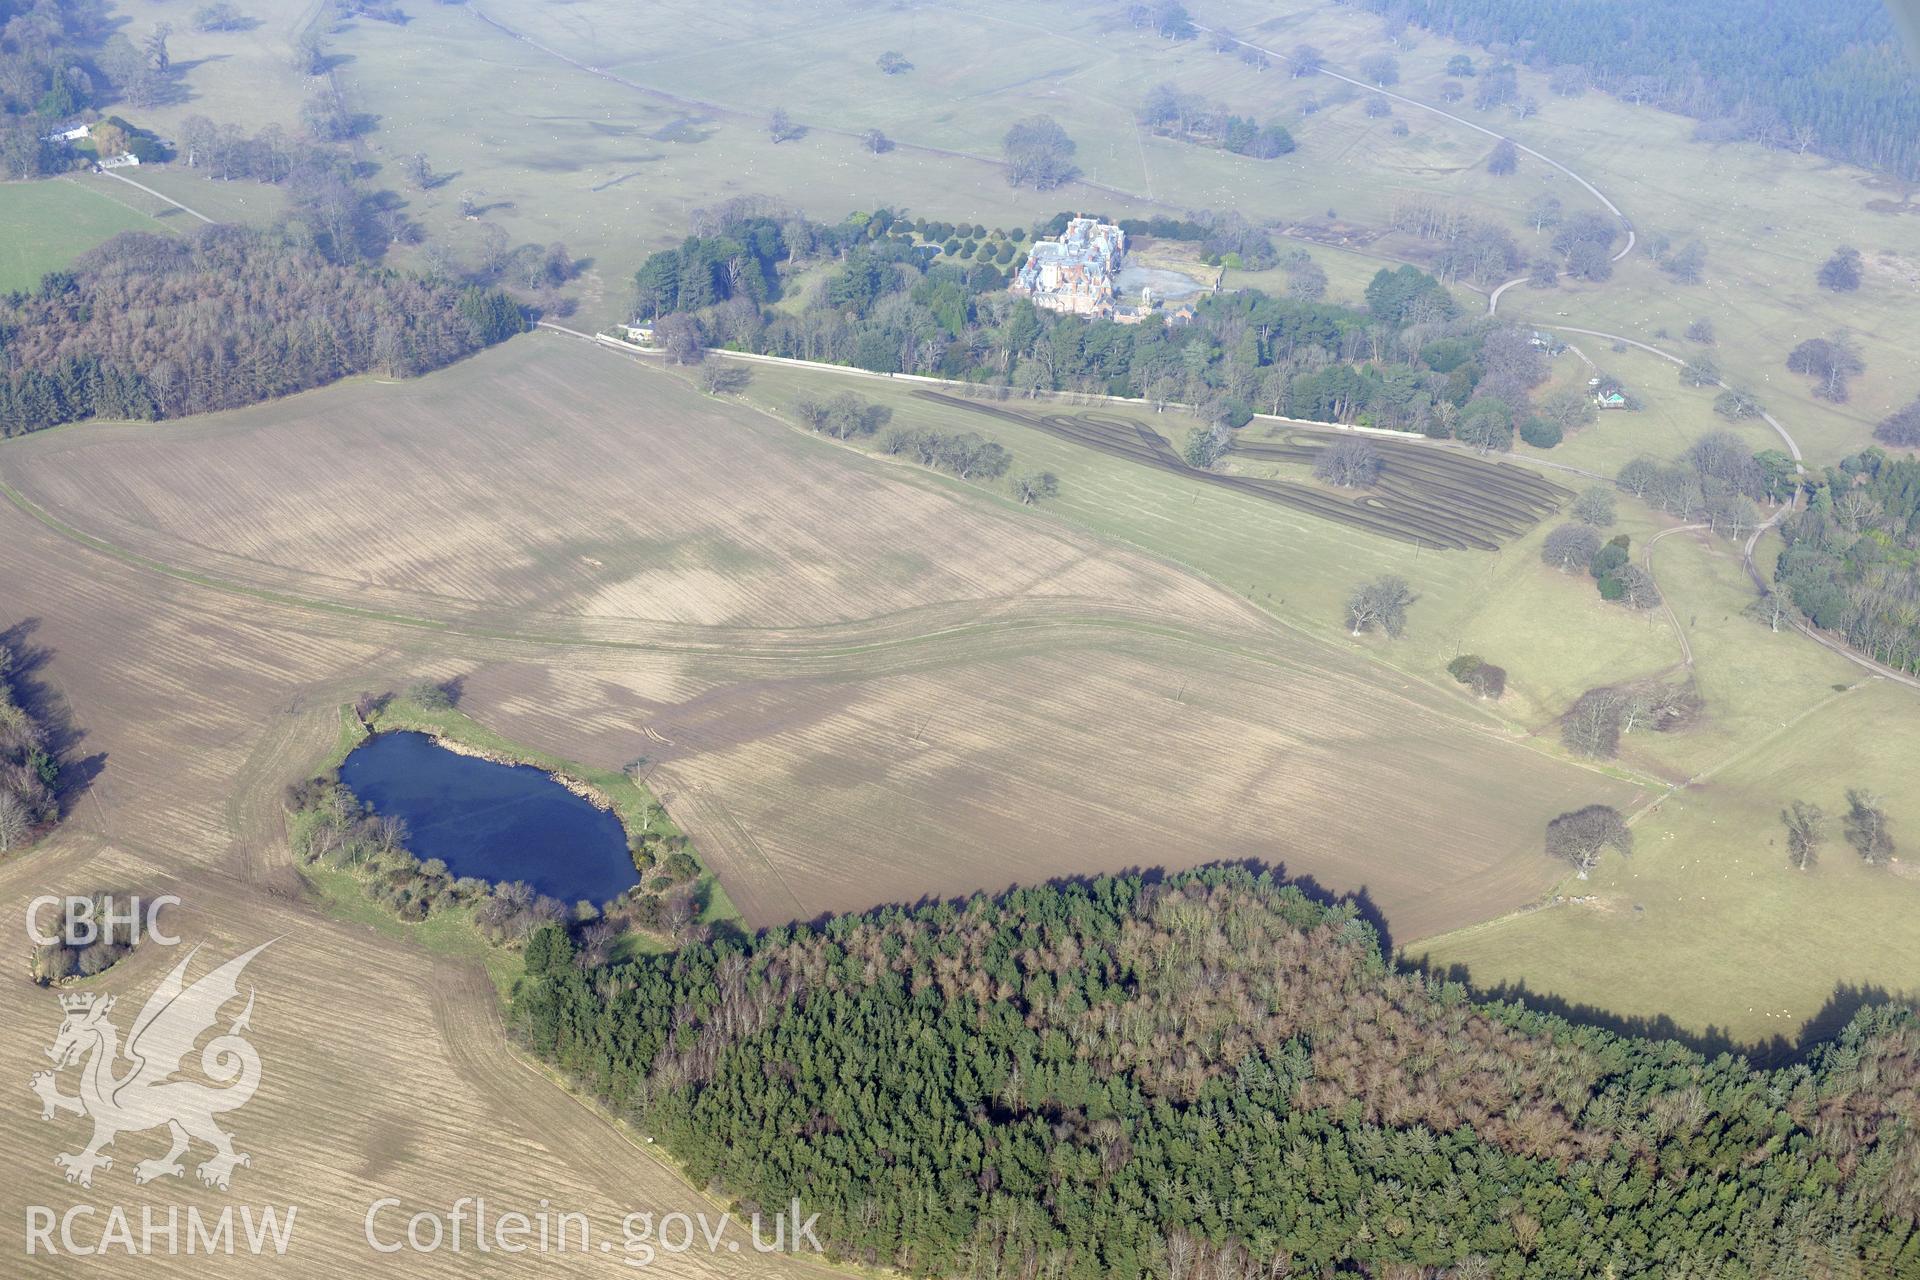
1214,1075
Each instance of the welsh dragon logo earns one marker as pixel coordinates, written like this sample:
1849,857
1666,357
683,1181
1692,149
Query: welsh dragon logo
142,1093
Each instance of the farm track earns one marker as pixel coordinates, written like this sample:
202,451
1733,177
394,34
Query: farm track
1428,498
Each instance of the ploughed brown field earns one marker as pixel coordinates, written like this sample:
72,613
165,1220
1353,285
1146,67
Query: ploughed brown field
852,681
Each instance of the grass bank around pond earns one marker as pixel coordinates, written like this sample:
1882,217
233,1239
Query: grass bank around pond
453,932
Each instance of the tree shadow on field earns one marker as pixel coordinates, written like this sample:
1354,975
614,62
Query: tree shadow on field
51,711
1773,1052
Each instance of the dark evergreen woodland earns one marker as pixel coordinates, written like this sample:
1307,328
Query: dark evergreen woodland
1213,1075
1830,78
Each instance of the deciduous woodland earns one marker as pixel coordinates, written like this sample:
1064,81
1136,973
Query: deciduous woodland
152,326
1213,1075
1851,563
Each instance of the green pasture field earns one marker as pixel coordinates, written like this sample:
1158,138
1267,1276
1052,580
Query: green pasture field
1506,606
45,225
1706,923
1775,712
250,203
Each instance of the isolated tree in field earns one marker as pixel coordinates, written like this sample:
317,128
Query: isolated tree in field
1485,679
415,169
219,16
1578,838
1594,507
781,126
1205,446
1901,428
1688,265
1039,154
893,62
1700,371
1591,726
1380,605
155,47
1841,272
1503,159
1031,487
1306,60
1452,91
1460,65
1571,547
1830,361
718,379
1700,330
876,142
432,695
1736,405
1382,69
1350,463
1866,827
1543,212
1806,832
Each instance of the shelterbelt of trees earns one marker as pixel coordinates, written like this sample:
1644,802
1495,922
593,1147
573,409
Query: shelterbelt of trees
890,302
1828,78
148,327
1212,1075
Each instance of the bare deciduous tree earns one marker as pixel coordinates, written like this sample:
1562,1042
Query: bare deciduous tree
1866,827
1591,726
1571,547
14,821
1351,463
1380,604
1579,837
1034,486
1806,832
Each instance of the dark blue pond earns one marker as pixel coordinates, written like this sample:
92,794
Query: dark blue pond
494,821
